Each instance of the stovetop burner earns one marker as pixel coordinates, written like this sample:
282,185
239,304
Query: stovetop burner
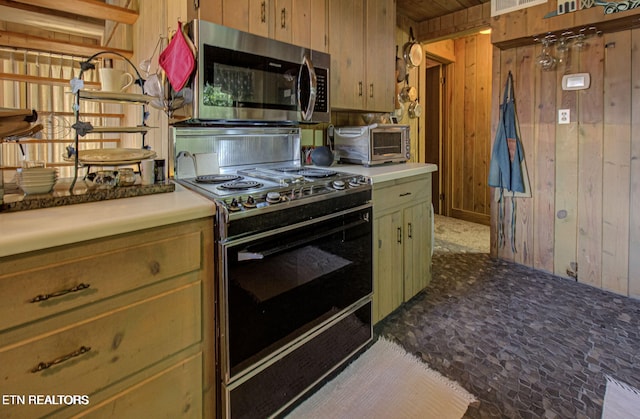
316,173
217,178
240,185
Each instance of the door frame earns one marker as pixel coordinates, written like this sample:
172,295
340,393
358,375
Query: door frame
444,129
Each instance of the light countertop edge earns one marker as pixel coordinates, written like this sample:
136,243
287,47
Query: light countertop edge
25,231
387,172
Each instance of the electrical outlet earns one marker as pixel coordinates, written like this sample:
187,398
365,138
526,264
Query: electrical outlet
564,116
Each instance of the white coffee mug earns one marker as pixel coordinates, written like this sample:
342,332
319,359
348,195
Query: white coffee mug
147,169
114,80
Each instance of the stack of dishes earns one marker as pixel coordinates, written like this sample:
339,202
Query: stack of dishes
112,156
37,180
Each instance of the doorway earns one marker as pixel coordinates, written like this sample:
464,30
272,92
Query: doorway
457,91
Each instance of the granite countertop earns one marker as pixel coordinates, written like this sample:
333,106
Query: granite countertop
387,172
37,229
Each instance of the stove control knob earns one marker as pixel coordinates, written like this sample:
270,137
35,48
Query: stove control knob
234,205
353,182
273,197
338,184
251,202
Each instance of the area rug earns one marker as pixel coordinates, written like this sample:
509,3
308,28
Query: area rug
620,401
386,382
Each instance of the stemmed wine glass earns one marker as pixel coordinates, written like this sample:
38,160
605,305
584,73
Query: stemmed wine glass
545,60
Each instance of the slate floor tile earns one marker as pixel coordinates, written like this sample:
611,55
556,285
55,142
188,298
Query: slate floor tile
526,343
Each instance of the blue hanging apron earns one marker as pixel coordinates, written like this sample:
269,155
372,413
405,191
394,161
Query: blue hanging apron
505,169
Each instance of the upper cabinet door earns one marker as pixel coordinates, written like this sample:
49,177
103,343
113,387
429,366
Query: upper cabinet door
283,18
319,21
379,35
235,14
260,17
347,49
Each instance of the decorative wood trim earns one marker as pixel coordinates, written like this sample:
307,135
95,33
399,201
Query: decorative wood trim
90,8
36,43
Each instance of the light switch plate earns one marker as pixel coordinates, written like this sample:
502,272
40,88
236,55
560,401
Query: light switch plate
564,116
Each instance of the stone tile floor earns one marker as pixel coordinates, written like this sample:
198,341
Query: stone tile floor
526,343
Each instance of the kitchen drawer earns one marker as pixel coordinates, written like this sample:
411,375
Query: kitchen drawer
398,193
173,393
40,284
120,343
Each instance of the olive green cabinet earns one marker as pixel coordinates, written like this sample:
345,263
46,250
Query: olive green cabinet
401,241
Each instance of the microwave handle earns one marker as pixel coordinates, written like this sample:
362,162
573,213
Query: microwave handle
307,114
351,133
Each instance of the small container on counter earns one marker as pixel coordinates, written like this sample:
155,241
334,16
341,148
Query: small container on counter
159,170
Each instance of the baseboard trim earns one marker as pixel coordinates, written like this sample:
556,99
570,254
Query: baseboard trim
473,217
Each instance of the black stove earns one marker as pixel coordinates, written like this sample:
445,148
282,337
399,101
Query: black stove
249,191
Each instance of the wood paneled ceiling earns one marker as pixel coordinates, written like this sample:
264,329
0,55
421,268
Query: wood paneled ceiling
421,10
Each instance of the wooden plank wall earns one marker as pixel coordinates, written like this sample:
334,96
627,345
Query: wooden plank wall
583,221
471,135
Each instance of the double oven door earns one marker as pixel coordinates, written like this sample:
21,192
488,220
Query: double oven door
296,302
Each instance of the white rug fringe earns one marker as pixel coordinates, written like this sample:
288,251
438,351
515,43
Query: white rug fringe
620,400
387,382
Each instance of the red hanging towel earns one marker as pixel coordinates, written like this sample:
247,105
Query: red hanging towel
177,60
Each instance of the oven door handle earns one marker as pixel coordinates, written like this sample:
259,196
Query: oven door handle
246,254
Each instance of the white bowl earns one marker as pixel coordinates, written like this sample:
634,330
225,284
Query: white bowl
36,178
40,189
38,170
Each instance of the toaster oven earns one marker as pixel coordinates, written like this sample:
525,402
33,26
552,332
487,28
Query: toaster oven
372,144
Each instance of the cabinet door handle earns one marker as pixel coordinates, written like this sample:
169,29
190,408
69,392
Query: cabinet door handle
410,232
43,297
371,90
263,12
405,194
44,365
399,235
360,88
283,18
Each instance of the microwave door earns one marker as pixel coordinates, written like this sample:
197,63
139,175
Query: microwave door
307,87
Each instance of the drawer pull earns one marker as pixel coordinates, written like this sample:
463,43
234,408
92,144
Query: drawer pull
44,365
405,194
43,297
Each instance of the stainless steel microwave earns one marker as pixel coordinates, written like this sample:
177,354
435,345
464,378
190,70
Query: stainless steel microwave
244,77
373,144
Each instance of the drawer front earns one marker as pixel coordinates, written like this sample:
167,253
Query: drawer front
95,273
174,393
117,344
395,194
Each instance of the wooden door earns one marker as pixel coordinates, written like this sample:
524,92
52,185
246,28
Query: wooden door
470,139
